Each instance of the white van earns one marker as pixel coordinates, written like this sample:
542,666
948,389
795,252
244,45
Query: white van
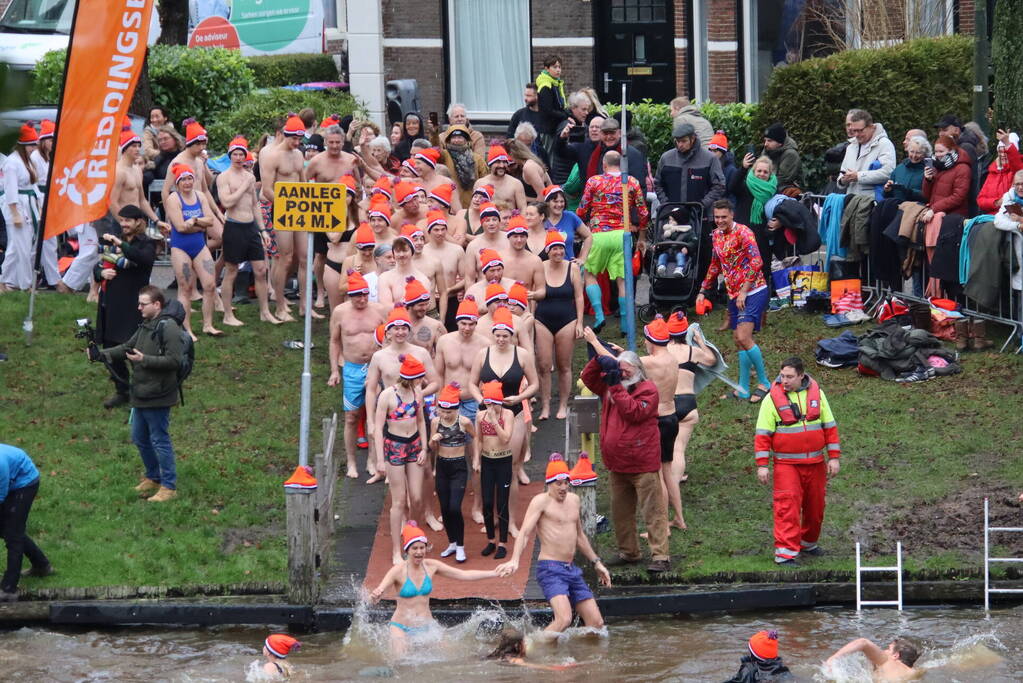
31,28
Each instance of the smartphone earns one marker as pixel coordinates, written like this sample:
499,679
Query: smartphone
433,119
751,150
928,163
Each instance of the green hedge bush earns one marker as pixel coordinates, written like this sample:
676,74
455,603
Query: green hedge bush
254,114
654,119
198,82
907,86
275,71
1006,48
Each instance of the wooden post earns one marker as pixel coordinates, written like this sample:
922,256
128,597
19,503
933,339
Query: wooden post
587,492
303,588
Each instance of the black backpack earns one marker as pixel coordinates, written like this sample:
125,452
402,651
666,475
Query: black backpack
176,311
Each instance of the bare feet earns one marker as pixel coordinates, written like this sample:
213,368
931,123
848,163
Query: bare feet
562,412
316,316
683,479
434,523
377,476
232,321
63,289
319,303
677,523
269,318
353,472
192,335
212,331
523,478
284,316
545,413
218,304
92,298
724,325
513,530
477,517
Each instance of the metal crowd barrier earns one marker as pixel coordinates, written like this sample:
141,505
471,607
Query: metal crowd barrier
1009,311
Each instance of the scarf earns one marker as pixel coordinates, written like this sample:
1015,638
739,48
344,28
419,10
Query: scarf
465,165
762,191
597,156
949,160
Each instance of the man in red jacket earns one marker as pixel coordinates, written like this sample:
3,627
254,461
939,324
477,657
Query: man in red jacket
630,446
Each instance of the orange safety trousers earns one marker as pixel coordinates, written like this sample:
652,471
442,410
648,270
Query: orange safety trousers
798,507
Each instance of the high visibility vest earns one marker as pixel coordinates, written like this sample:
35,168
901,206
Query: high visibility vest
805,440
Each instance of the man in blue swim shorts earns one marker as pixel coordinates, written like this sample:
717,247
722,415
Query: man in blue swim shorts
555,515
353,345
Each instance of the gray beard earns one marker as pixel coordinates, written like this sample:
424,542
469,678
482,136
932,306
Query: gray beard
631,381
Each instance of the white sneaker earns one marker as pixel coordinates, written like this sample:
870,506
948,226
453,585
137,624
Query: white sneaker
459,553
678,271
450,550
661,270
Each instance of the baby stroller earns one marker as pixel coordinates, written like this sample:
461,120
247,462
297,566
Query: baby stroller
672,282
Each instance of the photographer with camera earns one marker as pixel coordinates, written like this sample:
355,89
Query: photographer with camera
126,262
156,352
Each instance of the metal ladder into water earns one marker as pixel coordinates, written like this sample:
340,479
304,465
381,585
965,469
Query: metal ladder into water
988,559
860,569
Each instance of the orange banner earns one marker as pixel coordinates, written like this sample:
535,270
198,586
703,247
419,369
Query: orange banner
105,57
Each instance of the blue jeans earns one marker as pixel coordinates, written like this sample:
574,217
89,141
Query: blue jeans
672,255
149,433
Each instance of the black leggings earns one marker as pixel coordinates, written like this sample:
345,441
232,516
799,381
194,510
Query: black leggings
452,474
495,479
15,509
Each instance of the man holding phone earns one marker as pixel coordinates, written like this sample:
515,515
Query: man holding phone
870,157
780,148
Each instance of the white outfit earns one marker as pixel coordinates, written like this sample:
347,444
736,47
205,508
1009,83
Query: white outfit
1006,224
860,157
18,189
49,255
79,273
371,280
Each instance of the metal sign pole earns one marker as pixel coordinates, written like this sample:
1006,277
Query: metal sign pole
307,342
628,316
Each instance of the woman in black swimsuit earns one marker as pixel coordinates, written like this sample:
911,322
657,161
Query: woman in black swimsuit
536,219
470,217
452,434
559,316
508,364
688,357
336,247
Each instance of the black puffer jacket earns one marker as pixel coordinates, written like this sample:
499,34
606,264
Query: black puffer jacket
890,350
752,670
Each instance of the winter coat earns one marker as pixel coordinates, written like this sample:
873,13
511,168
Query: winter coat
860,157
799,222
743,197
118,313
949,191
999,181
692,177
154,379
752,670
691,114
16,470
730,170
403,150
476,141
788,165
891,350
911,177
568,151
551,99
637,162
629,437
1006,224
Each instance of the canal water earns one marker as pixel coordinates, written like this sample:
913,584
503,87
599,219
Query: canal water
958,645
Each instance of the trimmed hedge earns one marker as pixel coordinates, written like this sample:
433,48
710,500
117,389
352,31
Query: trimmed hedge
254,114
199,82
275,71
907,86
654,119
1006,48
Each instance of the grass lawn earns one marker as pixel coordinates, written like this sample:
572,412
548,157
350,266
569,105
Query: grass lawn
236,441
917,460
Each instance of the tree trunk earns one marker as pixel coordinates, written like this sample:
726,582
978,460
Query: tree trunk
142,100
173,22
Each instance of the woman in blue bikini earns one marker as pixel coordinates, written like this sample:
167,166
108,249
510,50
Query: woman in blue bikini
413,579
190,215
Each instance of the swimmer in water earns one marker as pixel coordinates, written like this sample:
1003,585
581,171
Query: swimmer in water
762,663
413,580
894,663
511,649
275,650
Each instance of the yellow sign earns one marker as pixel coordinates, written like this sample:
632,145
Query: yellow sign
640,71
311,207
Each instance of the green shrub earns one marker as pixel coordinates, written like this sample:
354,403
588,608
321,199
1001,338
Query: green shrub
275,71
197,82
907,86
254,114
1006,47
654,119
48,78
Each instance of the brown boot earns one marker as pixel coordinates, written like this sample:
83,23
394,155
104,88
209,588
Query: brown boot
163,495
978,335
962,327
146,486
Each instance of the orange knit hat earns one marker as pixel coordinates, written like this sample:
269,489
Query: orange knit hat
415,291
434,218
409,232
442,193
194,132
519,294
47,129
468,310
380,334
348,180
181,171
497,153
550,191
503,320
411,533
450,396
493,392
488,209
384,186
657,331
293,127
557,468
485,190
430,155
494,292
357,283
582,472
331,120
677,324
517,225
718,141
280,645
238,142
554,239
764,644
379,208
364,236
406,192
128,137
489,258
301,478
398,316
411,367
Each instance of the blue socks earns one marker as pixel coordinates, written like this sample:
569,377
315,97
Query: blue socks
623,306
758,364
593,294
744,365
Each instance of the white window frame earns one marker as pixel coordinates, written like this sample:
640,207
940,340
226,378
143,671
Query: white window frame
453,61
701,61
340,31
